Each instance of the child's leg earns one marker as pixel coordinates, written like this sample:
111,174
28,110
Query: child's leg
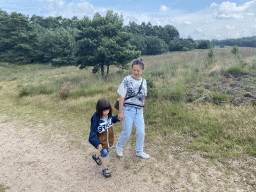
104,162
104,154
97,156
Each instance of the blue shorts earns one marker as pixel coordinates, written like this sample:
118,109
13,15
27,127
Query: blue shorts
104,152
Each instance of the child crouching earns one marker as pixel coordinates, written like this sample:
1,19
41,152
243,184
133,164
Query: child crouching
102,134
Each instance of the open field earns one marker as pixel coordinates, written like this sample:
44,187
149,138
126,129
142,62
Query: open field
200,128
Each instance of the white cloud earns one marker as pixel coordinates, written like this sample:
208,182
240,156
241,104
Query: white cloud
164,8
232,11
213,5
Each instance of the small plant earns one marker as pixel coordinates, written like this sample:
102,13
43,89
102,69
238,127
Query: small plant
219,97
66,90
2,188
211,53
235,50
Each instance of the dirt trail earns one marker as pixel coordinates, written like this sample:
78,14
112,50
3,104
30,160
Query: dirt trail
27,164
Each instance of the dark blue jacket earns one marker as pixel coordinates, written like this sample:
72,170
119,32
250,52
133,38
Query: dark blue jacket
102,134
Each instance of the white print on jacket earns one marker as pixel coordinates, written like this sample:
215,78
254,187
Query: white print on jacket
104,124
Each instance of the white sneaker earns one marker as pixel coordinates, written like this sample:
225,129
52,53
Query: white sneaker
142,155
119,150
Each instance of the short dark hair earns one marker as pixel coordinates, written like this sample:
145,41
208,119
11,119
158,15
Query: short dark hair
138,62
102,105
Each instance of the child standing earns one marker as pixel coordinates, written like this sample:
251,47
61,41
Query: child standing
132,93
102,134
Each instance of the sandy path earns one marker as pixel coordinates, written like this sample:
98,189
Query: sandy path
28,165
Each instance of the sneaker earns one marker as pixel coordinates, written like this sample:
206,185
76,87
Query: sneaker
142,155
119,150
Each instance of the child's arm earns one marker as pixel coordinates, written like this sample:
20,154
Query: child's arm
115,119
93,138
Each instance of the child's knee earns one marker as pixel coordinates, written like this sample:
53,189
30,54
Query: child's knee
104,152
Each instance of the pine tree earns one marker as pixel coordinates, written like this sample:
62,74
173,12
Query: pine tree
18,38
103,42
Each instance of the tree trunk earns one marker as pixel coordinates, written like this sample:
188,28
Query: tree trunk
107,69
102,69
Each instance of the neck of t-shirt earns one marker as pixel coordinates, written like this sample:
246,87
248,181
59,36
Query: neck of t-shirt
136,79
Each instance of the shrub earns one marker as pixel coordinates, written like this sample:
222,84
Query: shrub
235,50
236,70
204,44
66,90
219,97
211,53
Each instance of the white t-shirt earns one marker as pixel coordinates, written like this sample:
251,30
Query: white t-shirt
130,87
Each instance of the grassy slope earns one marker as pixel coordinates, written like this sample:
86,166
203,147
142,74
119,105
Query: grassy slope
31,92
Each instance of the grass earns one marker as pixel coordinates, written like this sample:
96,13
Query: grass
32,92
3,188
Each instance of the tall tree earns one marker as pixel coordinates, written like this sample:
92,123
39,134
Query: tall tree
103,42
57,46
18,38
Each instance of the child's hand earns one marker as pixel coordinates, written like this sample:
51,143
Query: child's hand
99,147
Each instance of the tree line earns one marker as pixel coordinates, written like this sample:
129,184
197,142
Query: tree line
98,42
241,42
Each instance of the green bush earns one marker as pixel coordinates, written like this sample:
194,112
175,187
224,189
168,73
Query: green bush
219,97
235,50
236,70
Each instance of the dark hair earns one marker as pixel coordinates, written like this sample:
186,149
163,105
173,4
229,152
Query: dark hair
102,105
138,62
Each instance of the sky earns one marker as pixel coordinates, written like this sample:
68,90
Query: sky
199,19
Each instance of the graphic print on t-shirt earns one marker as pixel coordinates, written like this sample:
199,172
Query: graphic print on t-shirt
104,124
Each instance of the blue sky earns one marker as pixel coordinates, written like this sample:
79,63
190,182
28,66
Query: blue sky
200,19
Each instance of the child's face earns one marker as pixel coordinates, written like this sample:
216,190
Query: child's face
105,112
137,71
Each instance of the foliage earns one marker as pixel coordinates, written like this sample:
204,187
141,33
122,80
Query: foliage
30,90
166,33
179,44
211,53
241,42
155,45
235,70
140,43
66,90
57,46
219,98
103,42
18,38
204,44
235,50
48,22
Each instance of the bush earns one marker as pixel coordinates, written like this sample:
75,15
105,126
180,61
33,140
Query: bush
219,97
155,45
204,44
66,90
235,50
236,70
211,53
